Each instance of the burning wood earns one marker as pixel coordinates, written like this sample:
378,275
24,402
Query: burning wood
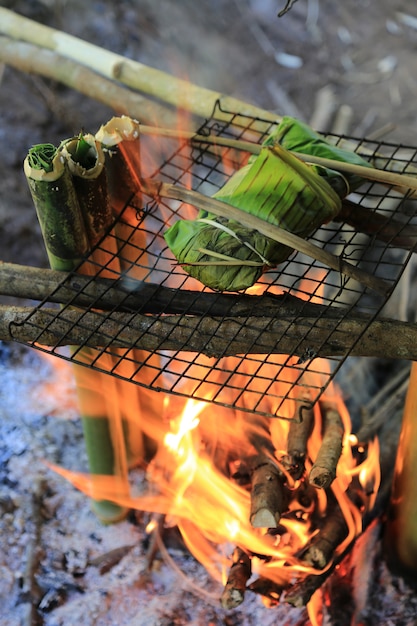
268,498
323,471
274,496
240,572
299,432
322,548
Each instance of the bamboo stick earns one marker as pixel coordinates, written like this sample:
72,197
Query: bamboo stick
175,91
214,337
384,176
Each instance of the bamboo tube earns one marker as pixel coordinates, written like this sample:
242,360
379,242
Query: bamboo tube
62,223
401,527
156,83
120,139
119,399
57,207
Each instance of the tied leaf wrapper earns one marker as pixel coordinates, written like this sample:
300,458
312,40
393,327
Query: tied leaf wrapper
275,186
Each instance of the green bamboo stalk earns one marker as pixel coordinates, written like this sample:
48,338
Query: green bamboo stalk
63,227
119,399
120,139
57,207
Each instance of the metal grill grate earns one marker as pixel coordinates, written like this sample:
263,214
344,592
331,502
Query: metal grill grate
137,315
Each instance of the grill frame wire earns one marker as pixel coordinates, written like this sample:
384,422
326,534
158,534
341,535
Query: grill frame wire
242,382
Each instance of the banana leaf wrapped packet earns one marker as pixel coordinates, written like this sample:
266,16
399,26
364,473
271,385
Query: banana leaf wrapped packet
275,186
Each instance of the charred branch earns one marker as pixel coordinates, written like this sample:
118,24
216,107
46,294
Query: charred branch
267,589
268,496
298,434
212,336
126,294
323,471
393,232
300,593
322,547
240,572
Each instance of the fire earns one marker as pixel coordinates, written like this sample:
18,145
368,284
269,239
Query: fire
207,456
189,484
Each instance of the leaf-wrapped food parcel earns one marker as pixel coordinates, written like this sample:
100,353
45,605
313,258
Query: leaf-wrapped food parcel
280,189
296,136
275,186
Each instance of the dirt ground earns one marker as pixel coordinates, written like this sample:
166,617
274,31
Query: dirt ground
322,60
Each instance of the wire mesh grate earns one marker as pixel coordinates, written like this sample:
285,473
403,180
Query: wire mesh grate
131,311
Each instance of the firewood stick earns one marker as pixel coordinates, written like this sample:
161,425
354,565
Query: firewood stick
240,572
393,232
298,434
214,337
323,471
321,549
268,497
300,593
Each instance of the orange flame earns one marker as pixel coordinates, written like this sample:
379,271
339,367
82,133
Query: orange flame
189,479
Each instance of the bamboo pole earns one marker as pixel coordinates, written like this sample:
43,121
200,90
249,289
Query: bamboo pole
175,91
